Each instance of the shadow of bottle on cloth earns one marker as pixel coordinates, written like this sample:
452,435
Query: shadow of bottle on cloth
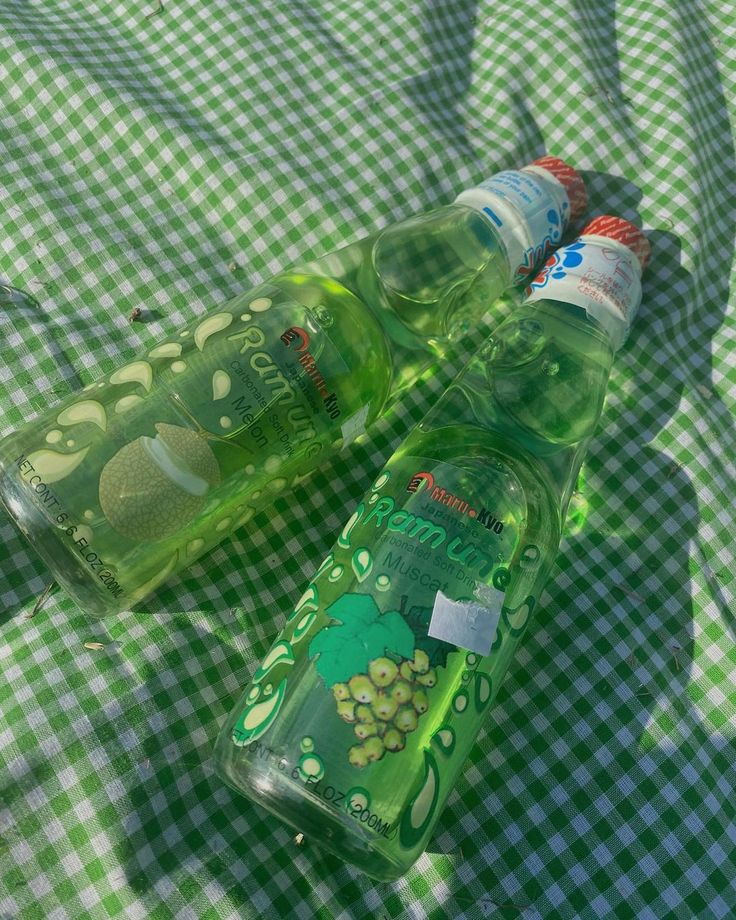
634,535
438,92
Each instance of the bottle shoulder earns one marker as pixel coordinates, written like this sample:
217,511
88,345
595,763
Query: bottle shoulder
426,279
488,457
542,374
338,309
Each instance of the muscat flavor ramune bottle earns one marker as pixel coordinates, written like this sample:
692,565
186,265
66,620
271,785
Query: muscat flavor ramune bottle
139,474
359,719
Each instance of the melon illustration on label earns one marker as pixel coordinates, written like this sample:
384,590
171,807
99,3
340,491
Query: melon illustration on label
152,487
377,674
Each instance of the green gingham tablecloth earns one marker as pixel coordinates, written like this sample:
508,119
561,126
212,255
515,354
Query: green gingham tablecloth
166,156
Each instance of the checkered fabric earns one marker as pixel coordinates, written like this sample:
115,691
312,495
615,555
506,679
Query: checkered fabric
166,155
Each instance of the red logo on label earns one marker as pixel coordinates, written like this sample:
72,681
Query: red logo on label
296,334
308,362
423,481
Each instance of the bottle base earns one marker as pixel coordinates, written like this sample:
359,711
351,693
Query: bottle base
47,541
327,828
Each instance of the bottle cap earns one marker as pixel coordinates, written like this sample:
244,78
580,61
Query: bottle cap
623,231
600,272
569,178
530,209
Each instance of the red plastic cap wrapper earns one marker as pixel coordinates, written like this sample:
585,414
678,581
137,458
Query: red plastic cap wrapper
570,179
623,231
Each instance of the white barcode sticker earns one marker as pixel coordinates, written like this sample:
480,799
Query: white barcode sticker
464,624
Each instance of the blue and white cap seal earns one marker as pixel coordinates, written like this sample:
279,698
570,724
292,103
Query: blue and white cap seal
530,209
600,272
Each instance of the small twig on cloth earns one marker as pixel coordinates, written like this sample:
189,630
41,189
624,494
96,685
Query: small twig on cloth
41,599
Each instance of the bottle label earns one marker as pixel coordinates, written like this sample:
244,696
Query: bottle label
530,214
598,275
394,645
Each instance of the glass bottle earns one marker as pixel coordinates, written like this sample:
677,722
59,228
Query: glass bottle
143,471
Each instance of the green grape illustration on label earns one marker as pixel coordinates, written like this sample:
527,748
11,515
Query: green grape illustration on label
378,676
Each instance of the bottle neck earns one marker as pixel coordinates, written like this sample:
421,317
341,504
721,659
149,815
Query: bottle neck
586,348
528,210
535,389
597,274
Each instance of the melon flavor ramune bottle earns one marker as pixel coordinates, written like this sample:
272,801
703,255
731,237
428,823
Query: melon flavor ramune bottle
358,721
139,474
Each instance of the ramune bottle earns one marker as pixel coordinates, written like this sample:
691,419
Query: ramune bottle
139,474
358,721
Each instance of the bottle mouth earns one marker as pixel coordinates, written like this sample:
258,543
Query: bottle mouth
570,179
609,227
